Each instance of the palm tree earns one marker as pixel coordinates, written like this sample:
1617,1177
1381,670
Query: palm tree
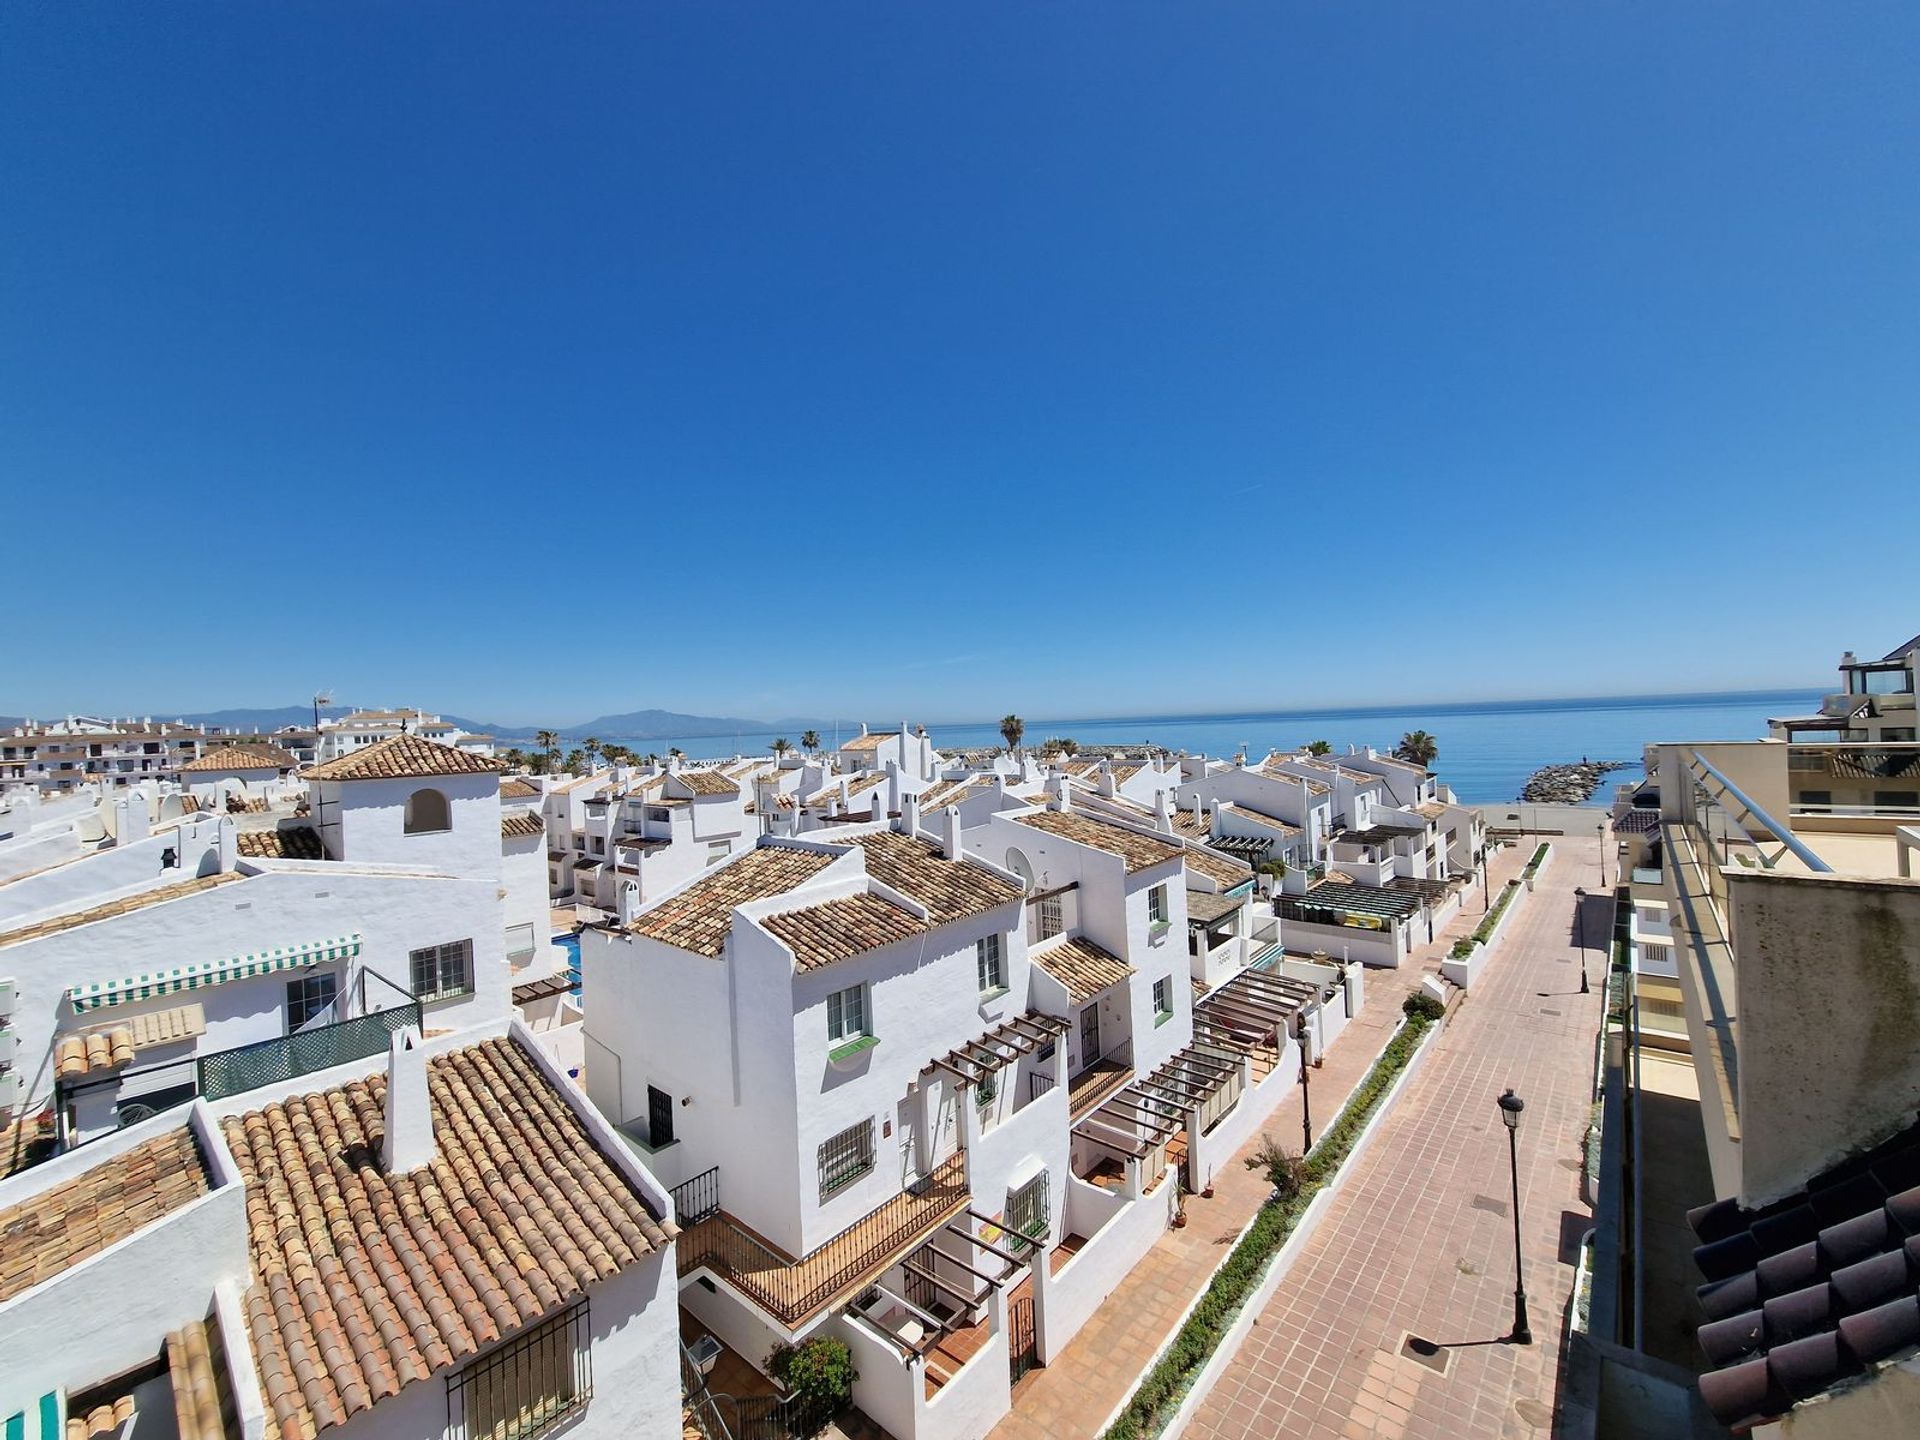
1012,727
809,740
674,752
576,761
1319,747
1417,747
514,759
549,741
1069,746
780,747
592,747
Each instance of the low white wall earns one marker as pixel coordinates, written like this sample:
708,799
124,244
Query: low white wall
566,1043
1378,948
731,1319
1464,972
889,1389
1063,1303
1217,1148
970,1404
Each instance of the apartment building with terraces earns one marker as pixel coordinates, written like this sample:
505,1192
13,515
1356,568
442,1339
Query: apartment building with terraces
926,1089
1765,1045
442,1241
196,952
61,756
340,735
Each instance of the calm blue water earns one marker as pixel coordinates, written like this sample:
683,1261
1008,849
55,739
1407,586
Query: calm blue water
1486,750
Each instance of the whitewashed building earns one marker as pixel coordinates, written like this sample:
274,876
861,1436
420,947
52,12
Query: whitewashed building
341,735
200,956
155,1284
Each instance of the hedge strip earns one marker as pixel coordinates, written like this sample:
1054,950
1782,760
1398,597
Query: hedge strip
1161,1388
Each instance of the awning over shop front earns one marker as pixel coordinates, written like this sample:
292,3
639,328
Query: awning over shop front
212,972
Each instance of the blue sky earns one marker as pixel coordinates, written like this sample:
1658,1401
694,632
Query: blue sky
1072,358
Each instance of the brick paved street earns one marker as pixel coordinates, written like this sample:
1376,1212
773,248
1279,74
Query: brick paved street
1099,1369
1421,1238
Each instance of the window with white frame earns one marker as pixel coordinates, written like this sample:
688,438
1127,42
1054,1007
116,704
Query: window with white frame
846,1157
441,972
847,1014
991,963
519,941
1157,905
1162,1000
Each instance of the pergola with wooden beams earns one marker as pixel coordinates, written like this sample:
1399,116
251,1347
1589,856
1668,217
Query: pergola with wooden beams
1255,1006
919,1265
1159,1104
1005,1044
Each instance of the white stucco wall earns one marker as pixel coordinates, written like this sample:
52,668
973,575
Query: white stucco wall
119,870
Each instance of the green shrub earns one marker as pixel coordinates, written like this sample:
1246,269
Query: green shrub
1462,948
1539,856
818,1377
1285,1171
1423,1004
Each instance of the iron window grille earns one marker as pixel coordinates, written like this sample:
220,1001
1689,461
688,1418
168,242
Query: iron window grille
526,1386
845,1158
1026,1214
441,972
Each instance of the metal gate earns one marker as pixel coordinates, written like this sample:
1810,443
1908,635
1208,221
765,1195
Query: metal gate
1022,1349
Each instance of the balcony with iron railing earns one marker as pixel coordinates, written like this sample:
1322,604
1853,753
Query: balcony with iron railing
793,1290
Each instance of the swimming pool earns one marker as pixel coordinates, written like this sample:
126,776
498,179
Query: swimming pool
571,944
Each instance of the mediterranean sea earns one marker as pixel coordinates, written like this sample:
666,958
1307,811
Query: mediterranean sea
1487,749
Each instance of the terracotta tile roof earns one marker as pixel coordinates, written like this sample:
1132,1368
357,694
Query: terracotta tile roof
169,1026
699,917
837,929
93,1051
203,1407
104,1421
1272,822
866,782
708,782
950,890
520,825
111,909
1138,850
1189,824
1082,966
293,842
948,792
403,757
871,741
56,1229
1206,906
1431,810
364,1282
1222,869
232,757
1813,1290
514,788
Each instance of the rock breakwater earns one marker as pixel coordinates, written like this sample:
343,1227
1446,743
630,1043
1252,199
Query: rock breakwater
1567,784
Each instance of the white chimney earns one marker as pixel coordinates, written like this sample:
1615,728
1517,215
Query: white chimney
949,831
628,902
893,783
1064,796
909,815
1162,821
409,1109
226,845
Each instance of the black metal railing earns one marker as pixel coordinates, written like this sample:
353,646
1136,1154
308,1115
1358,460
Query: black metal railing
286,1057
694,1200
527,1386
791,1290
702,1408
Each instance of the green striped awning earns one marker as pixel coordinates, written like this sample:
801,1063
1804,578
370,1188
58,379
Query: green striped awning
211,972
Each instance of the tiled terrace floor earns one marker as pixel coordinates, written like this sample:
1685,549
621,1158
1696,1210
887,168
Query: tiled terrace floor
1099,1368
1421,1240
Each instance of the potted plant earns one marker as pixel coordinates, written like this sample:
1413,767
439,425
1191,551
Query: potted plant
816,1380
1179,1203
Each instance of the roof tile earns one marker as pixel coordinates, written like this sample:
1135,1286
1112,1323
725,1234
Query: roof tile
403,757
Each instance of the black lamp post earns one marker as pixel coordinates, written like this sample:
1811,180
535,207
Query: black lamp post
1510,1107
1580,926
1306,1092
1486,900
1601,831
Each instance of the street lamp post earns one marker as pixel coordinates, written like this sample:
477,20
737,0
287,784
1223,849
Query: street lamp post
1510,1107
1580,925
1601,831
1306,1092
1486,900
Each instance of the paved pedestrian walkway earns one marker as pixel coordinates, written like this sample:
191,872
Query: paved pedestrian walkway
1420,1241
1100,1368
